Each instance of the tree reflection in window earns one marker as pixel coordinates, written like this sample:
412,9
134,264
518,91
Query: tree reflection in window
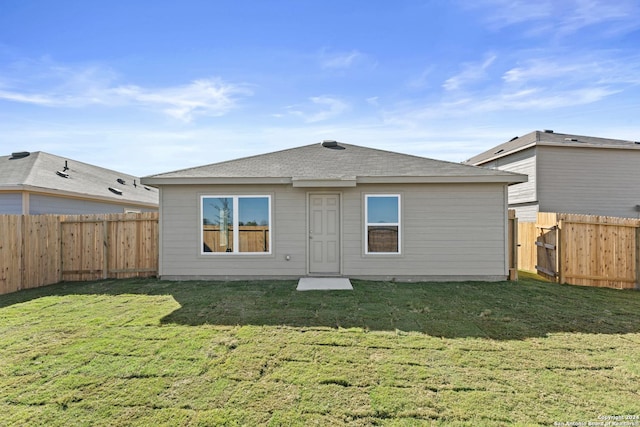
236,224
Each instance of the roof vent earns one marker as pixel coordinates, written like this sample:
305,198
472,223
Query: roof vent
571,139
637,142
115,191
121,181
499,151
329,143
514,138
19,155
62,174
548,131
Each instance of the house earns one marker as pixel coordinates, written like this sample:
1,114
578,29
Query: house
333,209
569,174
42,183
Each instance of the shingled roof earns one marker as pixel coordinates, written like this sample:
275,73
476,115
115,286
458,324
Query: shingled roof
549,138
348,164
48,173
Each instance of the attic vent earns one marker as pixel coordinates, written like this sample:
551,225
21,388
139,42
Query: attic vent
62,174
571,139
19,155
121,181
115,191
329,143
548,131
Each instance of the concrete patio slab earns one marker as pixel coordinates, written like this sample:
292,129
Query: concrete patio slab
324,284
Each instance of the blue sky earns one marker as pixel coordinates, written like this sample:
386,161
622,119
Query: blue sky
145,87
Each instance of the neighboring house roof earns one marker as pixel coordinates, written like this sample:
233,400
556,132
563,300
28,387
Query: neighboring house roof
549,138
332,164
47,173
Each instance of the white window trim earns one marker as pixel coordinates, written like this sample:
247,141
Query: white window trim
236,228
367,224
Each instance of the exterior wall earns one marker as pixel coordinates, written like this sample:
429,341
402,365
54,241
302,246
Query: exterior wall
527,213
11,203
43,204
592,181
523,162
449,231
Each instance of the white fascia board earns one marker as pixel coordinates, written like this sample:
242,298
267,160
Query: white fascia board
159,181
324,182
498,179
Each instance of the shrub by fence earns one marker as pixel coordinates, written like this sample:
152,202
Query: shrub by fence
39,250
583,250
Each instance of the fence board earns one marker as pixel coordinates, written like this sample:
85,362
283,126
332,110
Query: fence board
592,250
599,251
38,250
527,252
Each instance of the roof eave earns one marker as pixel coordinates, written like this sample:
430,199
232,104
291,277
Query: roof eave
506,178
472,179
159,181
505,153
75,195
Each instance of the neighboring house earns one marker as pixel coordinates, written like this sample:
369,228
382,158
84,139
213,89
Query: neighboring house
569,174
334,210
42,183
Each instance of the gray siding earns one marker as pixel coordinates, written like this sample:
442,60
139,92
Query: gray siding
523,162
42,204
448,231
11,203
528,213
595,181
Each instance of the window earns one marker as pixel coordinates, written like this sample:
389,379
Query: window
236,224
382,224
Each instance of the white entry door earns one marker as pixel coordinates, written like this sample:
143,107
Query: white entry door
324,234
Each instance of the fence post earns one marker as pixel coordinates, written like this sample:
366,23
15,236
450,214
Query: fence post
513,245
105,249
22,252
638,258
559,244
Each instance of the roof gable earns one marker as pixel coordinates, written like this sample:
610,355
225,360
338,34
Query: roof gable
40,171
341,163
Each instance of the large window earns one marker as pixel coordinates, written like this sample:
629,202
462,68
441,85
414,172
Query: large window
236,224
382,224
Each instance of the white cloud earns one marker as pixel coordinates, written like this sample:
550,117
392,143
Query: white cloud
64,87
472,72
343,60
550,18
205,97
330,107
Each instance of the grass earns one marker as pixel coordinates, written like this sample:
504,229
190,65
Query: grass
147,352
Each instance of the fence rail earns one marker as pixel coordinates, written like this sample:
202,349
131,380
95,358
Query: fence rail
583,250
39,250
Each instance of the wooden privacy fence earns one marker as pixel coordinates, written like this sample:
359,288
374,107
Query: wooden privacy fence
253,238
583,250
39,250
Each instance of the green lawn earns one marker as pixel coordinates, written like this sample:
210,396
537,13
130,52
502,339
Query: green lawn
147,352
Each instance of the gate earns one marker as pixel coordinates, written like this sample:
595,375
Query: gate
547,256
